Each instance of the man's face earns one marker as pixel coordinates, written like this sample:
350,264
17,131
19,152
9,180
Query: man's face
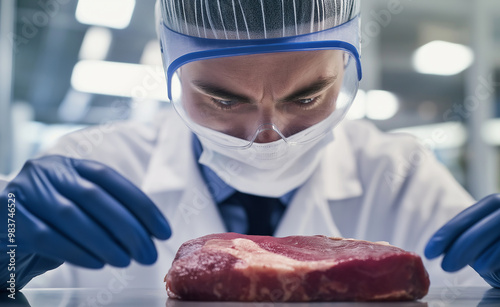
236,95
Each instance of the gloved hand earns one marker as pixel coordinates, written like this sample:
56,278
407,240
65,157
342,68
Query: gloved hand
82,212
472,237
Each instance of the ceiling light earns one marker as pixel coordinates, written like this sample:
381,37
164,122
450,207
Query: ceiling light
358,108
95,45
442,58
108,13
381,105
490,131
152,54
120,79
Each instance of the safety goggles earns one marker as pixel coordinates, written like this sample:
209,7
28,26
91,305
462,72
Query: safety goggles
308,103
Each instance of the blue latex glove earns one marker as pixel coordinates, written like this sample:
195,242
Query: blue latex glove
471,238
78,211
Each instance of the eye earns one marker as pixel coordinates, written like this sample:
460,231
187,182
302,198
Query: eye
306,101
223,104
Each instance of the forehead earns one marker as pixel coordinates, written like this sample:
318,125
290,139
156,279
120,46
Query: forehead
296,59
283,69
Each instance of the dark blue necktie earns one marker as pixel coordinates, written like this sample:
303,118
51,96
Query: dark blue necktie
251,214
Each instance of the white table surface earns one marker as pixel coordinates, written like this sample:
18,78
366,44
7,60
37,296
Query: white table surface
437,297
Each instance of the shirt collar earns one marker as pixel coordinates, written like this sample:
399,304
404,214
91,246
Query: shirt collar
220,190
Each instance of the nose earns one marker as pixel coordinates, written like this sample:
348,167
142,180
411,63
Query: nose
268,133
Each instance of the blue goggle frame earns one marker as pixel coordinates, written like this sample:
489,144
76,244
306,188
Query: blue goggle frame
179,49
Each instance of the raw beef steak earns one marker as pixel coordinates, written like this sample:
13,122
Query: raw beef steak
235,267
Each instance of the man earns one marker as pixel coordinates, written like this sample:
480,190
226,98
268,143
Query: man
262,86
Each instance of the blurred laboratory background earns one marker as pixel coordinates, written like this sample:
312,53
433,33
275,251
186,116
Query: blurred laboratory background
431,68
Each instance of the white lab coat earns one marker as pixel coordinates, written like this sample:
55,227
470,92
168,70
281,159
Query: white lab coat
370,185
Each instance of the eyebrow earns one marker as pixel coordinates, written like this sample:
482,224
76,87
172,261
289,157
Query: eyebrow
311,89
219,92
225,94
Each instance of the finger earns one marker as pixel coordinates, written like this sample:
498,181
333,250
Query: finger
446,235
126,193
472,243
489,261
36,236
63,216
112,216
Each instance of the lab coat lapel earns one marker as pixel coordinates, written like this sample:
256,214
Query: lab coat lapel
340,170
335,179
174,183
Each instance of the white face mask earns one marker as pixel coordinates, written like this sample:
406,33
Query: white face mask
265,169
